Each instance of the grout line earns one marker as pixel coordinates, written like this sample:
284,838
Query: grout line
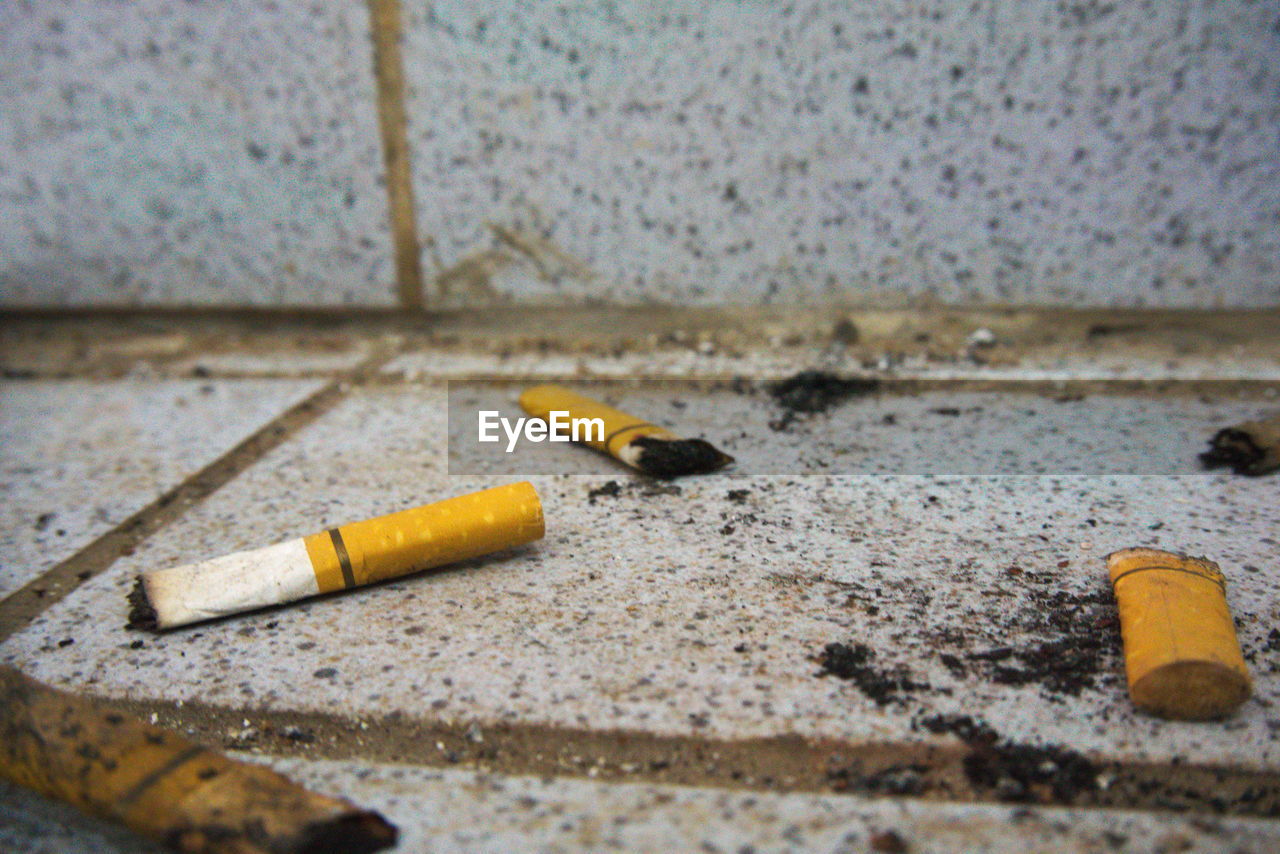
388,67
940,770
21,607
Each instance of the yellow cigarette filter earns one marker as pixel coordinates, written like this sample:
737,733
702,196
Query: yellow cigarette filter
1181,655
164,787
1251,448
340,558
652,449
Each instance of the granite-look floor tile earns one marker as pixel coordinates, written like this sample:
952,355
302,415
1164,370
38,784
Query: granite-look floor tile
439,810
161,154
1105,154
78,458
783,362
698,610
872,432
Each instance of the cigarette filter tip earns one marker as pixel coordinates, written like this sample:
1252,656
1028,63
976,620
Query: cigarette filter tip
1182,657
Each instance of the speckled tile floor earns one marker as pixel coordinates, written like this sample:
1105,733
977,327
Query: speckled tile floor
81,457
646,676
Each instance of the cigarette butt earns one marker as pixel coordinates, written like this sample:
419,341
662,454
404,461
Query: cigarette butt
164,787
634,441
1182,658
340,558
1251,448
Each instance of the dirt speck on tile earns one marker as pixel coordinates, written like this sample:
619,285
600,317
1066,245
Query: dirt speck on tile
812,392
639,488
855,663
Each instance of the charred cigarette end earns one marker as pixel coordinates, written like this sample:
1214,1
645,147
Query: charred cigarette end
668,458
1244,449
164,787
356,833
359,833
141,613
1182,658
653,450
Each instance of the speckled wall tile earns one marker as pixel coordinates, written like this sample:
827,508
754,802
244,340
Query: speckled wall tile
438,810
1064,153
156,153
696,611
78,458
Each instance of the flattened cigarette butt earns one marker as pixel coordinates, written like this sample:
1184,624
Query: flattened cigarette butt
1181,655
340,558
164,787
641,445
1251,448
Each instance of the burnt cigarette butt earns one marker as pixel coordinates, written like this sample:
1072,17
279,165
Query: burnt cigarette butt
348,556
651,449
1181,655
164,787
1251,448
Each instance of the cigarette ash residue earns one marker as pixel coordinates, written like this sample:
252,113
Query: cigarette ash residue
1081,649
883,685
640,488
1064,642
903,779
1018,773
993,766
812,392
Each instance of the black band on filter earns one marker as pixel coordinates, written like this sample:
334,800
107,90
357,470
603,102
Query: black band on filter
344,559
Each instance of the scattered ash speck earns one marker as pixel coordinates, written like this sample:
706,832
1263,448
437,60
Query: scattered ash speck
645,489
845,331
302,735
1021,773
1080,650
1017,773
611,489
853,663
810,392
888,842
902,779
963,727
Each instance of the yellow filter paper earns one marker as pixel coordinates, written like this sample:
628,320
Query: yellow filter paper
1182,658
619,428
424,537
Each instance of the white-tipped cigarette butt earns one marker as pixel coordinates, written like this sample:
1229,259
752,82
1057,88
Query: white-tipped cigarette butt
340,558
